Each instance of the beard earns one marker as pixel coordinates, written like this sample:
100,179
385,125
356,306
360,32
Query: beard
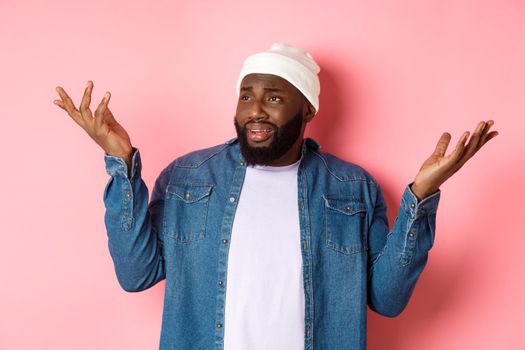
283,139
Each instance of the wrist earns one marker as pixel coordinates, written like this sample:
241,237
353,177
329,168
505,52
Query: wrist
125,155
421,192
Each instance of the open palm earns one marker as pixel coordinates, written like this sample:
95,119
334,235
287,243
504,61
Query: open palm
103,127
439,167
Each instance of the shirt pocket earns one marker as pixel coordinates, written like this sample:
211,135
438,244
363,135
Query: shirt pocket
186,210
345,220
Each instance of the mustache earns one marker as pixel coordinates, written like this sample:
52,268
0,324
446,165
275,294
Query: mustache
252,122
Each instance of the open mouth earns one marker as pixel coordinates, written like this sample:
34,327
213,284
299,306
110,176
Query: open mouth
259,132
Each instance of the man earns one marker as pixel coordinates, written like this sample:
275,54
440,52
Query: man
266,242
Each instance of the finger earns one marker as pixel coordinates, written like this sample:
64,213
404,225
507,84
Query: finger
466,157
489,137
60,104
442,144
99,112
456,158
68,103
472,145
485,134
460,147
86,100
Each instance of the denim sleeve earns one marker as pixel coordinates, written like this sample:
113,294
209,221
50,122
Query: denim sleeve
132,224
398,257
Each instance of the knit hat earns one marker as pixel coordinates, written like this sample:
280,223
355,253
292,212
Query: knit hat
294,64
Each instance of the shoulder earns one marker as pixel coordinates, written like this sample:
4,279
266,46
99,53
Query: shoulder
199,157
338,168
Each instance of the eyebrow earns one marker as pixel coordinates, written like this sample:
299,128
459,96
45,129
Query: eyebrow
271,89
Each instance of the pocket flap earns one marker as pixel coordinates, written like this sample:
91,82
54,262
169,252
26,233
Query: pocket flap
189,193
347,206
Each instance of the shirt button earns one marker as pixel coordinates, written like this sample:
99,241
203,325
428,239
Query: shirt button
242,163
412,205
220,282
224,241
186,196
128,195
348,209
219,325
232,199
411,234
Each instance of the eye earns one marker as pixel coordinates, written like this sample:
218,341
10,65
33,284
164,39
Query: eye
275,98
244,98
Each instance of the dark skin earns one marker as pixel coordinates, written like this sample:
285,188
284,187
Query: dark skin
273,99
259,99
270,98
103,127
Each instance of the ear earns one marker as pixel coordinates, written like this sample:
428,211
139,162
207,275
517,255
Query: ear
308,111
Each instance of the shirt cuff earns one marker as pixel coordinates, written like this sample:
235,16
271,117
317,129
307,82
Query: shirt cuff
117,165
415,207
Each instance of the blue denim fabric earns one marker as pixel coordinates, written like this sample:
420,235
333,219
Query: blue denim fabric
350,259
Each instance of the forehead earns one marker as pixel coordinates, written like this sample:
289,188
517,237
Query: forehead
267,81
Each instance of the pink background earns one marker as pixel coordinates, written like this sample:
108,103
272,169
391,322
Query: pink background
395,74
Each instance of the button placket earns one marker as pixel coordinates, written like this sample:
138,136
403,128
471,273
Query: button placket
231,200
413,210
127,208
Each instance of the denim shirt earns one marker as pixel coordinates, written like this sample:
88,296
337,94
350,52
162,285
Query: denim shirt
350,258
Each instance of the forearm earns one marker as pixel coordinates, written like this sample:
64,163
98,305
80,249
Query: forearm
132,236
396,269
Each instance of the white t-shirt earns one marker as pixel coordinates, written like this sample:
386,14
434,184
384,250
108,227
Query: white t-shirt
264,289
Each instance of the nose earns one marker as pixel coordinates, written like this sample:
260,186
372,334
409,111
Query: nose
256,112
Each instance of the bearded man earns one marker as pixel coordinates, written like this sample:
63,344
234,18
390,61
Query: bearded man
265,242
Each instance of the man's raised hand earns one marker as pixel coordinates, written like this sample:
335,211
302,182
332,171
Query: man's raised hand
438,167
103,128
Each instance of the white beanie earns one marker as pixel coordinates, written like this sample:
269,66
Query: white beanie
294,64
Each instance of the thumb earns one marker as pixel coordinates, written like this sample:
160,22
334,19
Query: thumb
442,144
